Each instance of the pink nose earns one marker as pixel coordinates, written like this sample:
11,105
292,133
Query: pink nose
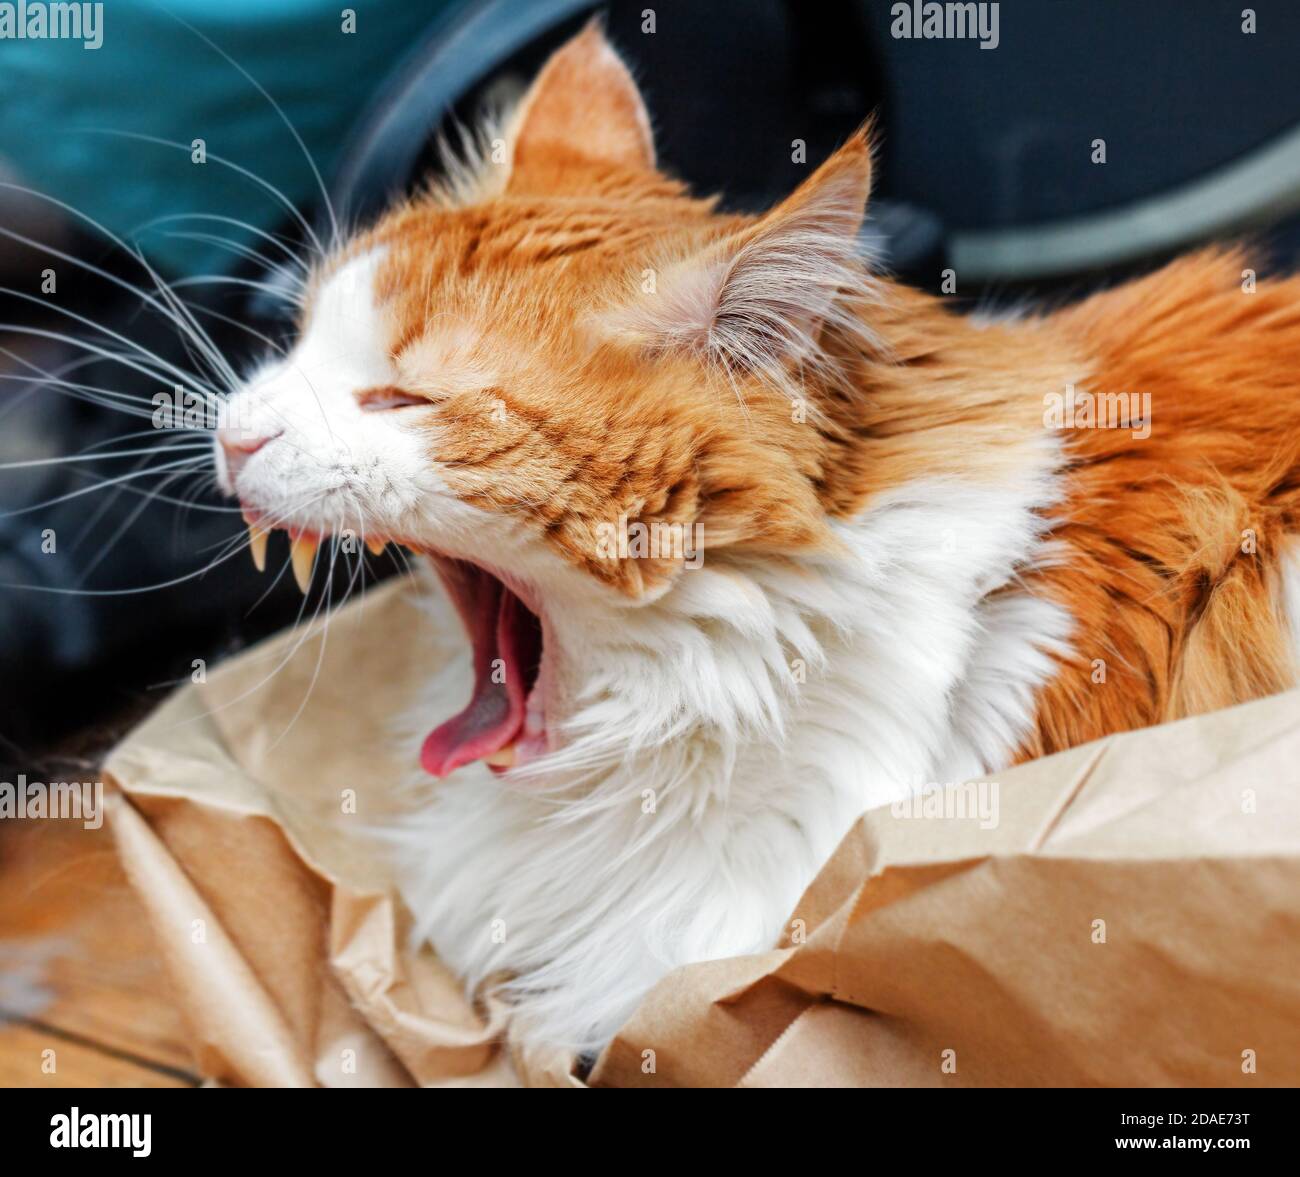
238,448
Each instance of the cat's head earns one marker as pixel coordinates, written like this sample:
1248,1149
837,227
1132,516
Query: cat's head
567,381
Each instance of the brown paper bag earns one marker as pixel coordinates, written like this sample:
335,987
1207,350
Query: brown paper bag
1123,913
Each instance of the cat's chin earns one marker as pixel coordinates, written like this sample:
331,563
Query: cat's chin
504,722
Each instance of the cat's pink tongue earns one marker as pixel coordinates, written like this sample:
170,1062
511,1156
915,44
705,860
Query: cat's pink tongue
494,718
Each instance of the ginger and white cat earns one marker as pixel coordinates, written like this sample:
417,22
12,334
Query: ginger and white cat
557,375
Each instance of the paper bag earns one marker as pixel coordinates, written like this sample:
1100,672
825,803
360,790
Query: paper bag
1123,913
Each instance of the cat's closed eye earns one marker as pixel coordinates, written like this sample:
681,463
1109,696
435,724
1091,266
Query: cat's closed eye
388,396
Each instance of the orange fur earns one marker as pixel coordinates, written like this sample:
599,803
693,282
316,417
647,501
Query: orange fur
1175,542
571,396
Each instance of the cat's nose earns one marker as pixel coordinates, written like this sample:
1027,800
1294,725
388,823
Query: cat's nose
238,447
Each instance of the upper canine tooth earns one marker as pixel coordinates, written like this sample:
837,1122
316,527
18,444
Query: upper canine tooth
302,552
376,546
257,545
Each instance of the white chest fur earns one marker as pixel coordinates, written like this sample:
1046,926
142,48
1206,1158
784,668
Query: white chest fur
720,753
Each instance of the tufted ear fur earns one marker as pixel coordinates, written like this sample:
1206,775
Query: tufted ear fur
583,104
758,300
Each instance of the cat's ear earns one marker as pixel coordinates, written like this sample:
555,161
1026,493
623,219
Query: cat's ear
584,103
758,299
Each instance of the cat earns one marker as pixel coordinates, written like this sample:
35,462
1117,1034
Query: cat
931,546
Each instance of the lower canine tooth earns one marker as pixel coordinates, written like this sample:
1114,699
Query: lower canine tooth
502,757
257,545
303,554
376,546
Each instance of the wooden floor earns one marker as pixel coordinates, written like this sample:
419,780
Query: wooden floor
83,998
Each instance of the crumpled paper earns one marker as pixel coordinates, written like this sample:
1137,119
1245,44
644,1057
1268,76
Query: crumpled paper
1123,913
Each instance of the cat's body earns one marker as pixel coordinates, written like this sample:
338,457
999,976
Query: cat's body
914,570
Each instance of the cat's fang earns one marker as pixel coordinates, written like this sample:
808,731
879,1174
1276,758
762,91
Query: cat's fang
302,552
502,757
376,546
257,546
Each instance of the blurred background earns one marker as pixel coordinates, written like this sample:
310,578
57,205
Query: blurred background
990,189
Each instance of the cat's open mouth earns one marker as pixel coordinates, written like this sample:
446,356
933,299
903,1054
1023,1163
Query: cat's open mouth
503,724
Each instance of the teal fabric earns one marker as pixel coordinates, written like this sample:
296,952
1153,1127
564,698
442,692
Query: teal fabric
153,76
